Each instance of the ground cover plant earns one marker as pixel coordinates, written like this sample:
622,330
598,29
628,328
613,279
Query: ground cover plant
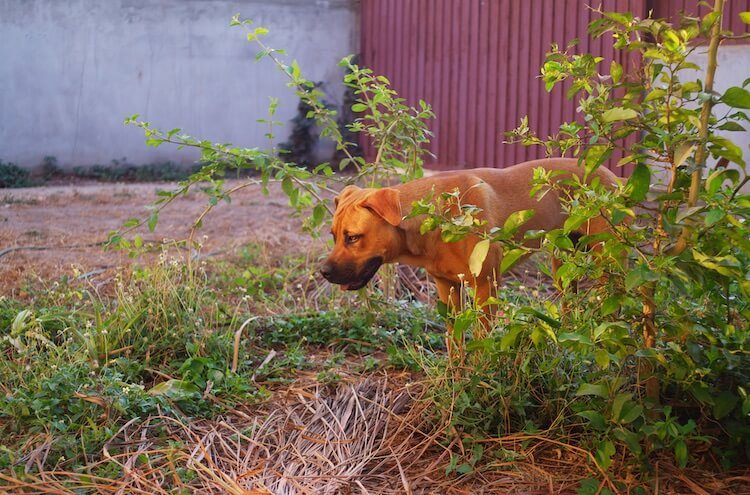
624,371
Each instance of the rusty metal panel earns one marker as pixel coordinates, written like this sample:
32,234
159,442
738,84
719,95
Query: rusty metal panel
477,63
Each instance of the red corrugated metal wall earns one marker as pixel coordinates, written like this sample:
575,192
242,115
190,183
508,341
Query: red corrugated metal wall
477,63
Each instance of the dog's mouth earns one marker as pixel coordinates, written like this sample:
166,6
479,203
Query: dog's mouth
368,271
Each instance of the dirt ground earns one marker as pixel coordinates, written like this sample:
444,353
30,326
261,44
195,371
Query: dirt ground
48,232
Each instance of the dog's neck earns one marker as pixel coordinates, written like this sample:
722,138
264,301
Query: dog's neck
413,244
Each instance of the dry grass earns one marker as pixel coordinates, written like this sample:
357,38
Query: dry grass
369,436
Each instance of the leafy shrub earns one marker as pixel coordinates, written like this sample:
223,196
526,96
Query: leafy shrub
655,355
50,169
300,149
11,175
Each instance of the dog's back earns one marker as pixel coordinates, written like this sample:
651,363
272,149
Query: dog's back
500,192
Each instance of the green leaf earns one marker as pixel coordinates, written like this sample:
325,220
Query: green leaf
319,213
619,113
428,225
510,258
359,107
604,453
684,213
462,322
617,403
638,276
725,265
639,182
681,453
593,389
631,412
631,439
717,178
526,310
745,16
573,222
601,356
287,186
682,153
596,155
589,486
615,70
595,418
736,97
731,126
175,389
713,216
655,94
153,219
478,255
509,339
724,403
721,146
516,219
611,304
574,337
257,33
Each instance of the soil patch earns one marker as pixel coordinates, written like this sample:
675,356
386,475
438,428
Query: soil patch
48,232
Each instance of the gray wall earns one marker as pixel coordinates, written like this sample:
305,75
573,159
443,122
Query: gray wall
733,67
72,70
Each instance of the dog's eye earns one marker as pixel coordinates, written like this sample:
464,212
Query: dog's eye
351,239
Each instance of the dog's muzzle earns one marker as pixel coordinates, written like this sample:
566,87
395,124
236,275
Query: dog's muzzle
348,275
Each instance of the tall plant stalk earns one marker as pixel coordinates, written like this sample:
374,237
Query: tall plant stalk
702,152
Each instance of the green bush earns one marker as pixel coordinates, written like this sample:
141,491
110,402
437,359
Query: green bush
11,175
656,355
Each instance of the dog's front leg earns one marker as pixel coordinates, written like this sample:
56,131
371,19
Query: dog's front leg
449,293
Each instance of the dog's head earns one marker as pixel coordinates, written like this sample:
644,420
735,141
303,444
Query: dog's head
365,235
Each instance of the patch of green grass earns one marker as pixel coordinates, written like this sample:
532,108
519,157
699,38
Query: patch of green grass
122,171
76,364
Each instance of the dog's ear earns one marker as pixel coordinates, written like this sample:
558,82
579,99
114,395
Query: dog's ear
385,202
344,193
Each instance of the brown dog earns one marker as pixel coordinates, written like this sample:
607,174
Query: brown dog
369,229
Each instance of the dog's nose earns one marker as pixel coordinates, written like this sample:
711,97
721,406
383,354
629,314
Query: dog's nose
326,269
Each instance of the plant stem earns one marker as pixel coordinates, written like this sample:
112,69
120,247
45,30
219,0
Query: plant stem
702,153
646,370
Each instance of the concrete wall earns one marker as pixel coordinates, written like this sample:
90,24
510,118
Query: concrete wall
72,70
733,67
